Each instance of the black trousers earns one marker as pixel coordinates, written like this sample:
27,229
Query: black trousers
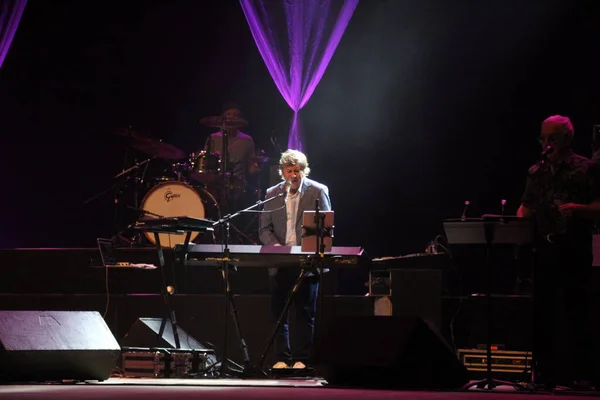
305,307
561,282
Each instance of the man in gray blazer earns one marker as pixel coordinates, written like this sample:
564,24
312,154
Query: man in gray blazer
281,225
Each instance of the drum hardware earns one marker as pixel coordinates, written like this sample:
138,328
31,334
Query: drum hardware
134,177
120,184
204,167
224,223
126,178
130,133
151,146
211,168
158,148
181,170
134,167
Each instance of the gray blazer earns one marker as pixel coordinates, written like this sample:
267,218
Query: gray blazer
273,224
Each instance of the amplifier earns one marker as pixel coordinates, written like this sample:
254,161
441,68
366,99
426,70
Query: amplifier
414,292
164,363
503,361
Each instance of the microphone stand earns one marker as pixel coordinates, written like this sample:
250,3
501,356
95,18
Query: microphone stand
104,192
144,212
249,369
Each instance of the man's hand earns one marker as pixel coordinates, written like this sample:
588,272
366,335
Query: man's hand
523,212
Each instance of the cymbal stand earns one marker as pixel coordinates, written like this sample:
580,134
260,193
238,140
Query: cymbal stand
224,240
250,370
116,188
135,167
104,192
131,175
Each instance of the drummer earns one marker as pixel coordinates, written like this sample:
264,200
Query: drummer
241,158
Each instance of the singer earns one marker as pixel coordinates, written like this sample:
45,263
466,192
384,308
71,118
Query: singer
562,196
281,225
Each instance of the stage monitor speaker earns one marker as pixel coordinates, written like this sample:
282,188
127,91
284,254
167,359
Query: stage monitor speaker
144,333
42,346
388,352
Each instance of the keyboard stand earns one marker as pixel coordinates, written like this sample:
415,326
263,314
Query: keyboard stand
172,225
169,290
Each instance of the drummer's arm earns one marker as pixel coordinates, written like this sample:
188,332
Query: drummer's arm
209,144
253,167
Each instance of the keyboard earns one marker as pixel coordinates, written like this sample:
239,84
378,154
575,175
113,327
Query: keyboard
270,256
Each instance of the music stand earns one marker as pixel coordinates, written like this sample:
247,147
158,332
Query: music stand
311,242
489,230
317,238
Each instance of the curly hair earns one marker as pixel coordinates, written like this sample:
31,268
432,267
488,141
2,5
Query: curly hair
291,158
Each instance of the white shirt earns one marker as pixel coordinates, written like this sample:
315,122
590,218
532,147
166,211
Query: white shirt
291,211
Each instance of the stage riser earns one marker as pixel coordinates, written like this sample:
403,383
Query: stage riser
200,315
79,271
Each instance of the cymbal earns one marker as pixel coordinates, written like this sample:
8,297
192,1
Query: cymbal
129,133
220,122
157,148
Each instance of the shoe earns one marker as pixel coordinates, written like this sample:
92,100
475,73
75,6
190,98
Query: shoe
280,365
299,365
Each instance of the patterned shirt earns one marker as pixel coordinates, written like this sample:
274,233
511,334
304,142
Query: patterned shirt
575,180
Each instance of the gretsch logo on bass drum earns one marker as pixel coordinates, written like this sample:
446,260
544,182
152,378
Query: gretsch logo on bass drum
170,196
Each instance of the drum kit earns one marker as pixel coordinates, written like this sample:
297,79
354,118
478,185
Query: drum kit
194,185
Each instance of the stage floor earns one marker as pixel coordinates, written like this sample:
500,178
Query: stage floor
126,388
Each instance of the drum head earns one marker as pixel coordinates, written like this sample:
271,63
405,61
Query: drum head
173,199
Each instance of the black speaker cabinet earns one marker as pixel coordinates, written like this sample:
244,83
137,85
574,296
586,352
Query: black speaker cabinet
144,333
388,352
55,345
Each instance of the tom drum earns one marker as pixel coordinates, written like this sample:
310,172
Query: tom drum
205,167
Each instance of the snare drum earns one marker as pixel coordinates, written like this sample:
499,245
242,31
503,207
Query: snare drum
174,199
204,167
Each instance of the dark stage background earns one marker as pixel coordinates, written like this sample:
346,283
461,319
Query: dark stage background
424,105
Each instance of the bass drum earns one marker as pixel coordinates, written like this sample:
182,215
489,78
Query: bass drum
175,199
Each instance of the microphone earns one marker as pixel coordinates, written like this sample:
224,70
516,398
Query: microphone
549,149
288,184
464,214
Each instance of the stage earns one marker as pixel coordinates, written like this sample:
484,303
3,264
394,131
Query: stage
124,388
73,279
